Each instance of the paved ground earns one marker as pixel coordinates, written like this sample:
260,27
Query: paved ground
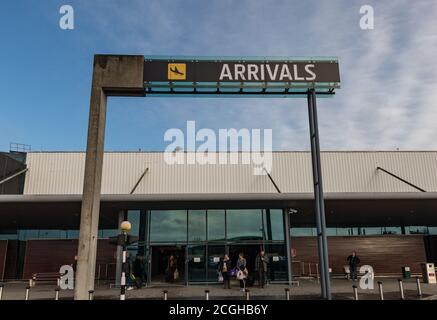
308,289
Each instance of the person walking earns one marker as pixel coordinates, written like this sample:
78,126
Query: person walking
225,270
242,271
261,264
354,261
171,269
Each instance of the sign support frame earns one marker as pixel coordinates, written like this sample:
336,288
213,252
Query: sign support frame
123,75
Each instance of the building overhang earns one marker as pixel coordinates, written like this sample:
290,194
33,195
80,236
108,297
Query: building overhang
342,209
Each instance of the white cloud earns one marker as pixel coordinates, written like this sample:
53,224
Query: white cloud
389,74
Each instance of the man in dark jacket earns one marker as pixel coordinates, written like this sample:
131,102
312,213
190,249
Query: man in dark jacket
261,263
354,261
224,268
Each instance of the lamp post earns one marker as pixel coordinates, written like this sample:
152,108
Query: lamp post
125,226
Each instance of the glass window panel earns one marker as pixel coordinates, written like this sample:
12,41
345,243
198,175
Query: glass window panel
196,225
416,230
133,217
216,225
368,231
432,230
244,224
73,234
302,232
391,230
274,224
168,225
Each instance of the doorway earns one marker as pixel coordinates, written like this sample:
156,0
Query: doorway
160,271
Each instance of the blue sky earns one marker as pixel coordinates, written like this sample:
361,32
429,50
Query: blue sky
388,98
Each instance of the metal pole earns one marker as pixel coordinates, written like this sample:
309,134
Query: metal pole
118,265
165,294
381,293
355,292
287,293
26,297
288,246
401,289
419,289
319,199
123,269
206,294
1,291
90,294
57,293
247,294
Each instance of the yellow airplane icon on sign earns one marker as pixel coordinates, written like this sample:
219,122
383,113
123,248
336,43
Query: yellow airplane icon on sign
176,71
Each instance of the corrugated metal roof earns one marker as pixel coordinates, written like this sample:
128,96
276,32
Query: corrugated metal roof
62,173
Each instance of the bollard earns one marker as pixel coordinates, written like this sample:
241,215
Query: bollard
247,294
57,293
165,294
401,289
91,295
355,292
381,293
206,294
287,293
1,290
419,289
26,297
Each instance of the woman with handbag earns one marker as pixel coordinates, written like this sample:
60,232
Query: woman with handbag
225,270
242,271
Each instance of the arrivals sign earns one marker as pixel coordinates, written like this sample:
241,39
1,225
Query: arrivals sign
222,71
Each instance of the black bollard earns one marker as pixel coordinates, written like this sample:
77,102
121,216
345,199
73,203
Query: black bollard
381,293
419,289
354,287
401,289
26,297
287,293
247,294
91,295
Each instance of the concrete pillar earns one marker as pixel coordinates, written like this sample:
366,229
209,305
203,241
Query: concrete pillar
112,76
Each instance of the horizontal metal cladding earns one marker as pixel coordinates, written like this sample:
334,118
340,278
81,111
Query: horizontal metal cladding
62,173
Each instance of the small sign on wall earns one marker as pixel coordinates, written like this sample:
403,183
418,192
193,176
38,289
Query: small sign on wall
275,258
216,259
196,259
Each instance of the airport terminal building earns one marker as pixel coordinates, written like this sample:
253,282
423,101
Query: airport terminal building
381,204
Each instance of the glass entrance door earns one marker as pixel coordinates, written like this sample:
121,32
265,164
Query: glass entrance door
196,263
215,254
167,265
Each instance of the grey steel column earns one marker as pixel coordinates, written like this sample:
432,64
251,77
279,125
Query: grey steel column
118,266
288,245
319,199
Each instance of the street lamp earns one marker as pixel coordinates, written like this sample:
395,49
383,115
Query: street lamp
123,240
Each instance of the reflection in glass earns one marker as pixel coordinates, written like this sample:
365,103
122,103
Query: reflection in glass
216,225
244,224
274,223
170,225
196,225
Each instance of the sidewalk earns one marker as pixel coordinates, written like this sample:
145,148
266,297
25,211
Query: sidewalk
308,289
